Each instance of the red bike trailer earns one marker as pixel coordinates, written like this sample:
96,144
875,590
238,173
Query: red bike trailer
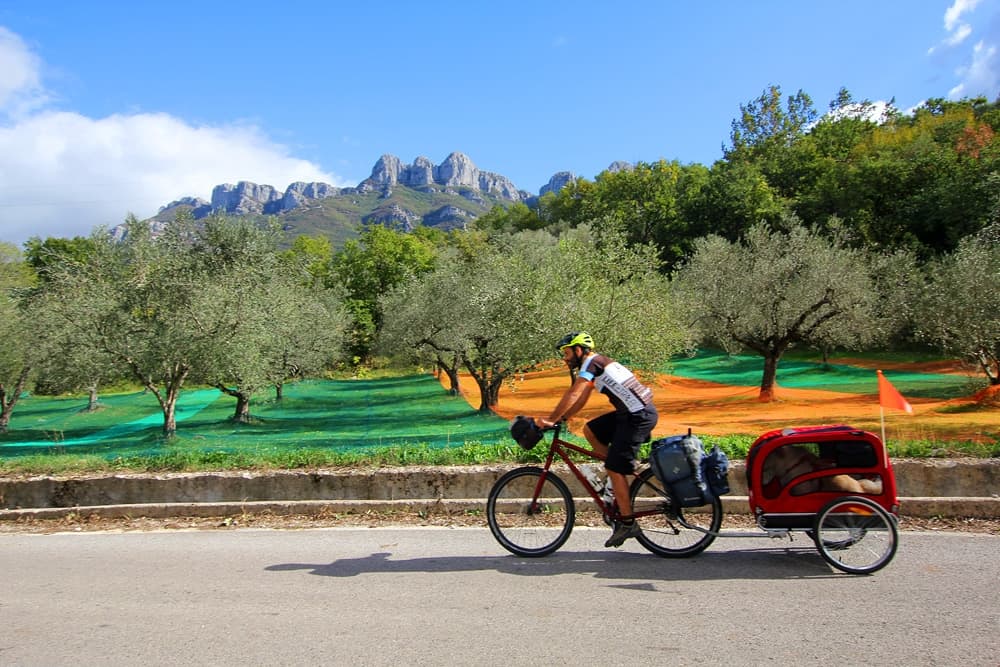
836,483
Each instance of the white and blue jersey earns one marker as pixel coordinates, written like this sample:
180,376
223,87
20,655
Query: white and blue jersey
616,382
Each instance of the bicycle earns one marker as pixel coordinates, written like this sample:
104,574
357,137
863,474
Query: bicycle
531,511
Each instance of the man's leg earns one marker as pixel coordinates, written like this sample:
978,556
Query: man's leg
619,483
595,441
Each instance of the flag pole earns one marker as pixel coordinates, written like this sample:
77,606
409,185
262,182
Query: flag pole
887,395
881,415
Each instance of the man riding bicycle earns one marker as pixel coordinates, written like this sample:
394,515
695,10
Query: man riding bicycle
618,434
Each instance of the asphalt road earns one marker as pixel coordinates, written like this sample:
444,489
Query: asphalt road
440,596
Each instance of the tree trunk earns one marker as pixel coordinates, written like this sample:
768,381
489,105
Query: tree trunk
168,398
7,402
451,370
453,386
488,380
242,414
92,400
484,393
279,391
170,417
767,381
991,367
493,391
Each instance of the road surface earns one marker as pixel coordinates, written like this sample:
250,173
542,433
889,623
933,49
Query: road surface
440,596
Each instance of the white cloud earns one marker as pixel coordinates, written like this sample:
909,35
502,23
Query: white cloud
62,173
982,76
979,71
953,15
20,84
959,35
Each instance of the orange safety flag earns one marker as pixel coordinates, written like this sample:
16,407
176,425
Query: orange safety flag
888,397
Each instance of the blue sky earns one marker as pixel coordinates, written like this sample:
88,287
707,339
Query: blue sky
108,107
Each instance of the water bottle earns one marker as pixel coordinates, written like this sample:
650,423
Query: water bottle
593,478
608,493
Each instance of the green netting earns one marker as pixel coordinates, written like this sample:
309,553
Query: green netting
746,370
342,414
358,414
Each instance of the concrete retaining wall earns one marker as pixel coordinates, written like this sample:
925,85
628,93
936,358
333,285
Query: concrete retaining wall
946,487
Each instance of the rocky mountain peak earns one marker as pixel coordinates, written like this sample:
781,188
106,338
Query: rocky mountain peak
557,182
457,170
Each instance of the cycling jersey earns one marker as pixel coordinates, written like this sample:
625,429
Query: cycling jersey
616,382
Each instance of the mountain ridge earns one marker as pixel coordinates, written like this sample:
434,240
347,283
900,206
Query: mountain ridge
398,195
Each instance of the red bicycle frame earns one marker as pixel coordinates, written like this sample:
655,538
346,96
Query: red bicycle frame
562,449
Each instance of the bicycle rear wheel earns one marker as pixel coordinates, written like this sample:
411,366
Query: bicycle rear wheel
672,532
530,512
856,535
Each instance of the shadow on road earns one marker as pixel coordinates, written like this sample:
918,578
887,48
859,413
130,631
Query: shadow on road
749,564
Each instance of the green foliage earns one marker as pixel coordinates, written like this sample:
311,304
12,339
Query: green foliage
470,453
765,128
370,267
920,449
17,355
48,255
240,305
516,218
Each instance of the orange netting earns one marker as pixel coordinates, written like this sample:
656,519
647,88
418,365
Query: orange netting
717,409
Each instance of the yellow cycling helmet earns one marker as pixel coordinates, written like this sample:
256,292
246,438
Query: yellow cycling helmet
581,338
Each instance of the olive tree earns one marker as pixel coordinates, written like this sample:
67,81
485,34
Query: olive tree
138,303
500,310
489,314
68,358
777,288
961,308
249,309
419,324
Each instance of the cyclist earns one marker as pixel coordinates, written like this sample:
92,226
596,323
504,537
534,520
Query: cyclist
617,434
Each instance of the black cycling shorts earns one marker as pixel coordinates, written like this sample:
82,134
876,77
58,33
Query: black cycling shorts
624,433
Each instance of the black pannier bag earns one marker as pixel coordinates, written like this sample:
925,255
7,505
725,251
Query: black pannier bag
677,462
715,471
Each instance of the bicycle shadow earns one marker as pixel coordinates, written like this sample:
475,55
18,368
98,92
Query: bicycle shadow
789,563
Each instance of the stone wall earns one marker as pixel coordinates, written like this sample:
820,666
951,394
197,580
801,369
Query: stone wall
925,479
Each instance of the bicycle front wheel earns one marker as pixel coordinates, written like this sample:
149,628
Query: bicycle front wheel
530,512
668,530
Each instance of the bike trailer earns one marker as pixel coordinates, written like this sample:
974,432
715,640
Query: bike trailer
793,473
